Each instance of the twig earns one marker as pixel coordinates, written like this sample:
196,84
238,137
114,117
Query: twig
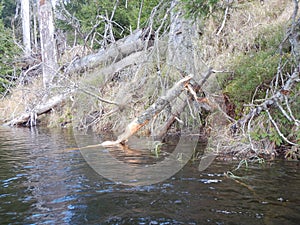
98,97
297,122
224,21
278,130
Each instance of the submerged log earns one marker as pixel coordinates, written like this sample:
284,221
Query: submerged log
151,112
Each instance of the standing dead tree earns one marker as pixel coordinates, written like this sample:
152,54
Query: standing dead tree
48,48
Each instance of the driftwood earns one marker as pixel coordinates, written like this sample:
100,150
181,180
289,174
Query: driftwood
151,112
115,52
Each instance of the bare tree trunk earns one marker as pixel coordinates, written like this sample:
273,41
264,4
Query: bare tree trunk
180,44
26,26
112,54
180,57
48,47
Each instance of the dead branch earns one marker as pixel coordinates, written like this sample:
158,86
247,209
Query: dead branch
278,130
278,97
224,21
98,97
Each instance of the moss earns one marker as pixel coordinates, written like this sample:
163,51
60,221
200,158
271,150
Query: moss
270,38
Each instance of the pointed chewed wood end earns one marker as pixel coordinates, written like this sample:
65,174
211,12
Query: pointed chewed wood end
110,143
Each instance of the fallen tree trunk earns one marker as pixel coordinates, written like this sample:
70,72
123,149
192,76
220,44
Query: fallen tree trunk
115,52
29,118
134,58
151,112
160,134
123,53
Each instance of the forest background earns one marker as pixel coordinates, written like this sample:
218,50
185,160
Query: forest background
97,65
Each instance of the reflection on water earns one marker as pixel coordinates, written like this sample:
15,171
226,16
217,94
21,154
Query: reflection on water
45,180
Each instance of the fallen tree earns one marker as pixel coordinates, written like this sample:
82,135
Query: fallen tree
275,100
279,96
121,54
187,83
193,88
151,112
29,118
122,48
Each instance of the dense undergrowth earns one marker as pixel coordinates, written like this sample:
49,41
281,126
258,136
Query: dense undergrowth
252,51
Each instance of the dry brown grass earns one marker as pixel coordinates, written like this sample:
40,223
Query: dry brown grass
22,98
245,22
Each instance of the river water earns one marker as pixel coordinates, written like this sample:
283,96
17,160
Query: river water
44,179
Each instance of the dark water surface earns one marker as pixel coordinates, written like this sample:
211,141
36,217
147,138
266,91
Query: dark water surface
44,181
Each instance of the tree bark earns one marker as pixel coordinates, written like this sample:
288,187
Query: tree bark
26,26
48,46
180,43
113,54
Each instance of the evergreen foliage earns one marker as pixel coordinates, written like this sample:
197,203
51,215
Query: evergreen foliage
199,8
7,14
95,16
8,50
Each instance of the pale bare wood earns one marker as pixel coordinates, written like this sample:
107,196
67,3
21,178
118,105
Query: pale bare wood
38,110
112,54
151,112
